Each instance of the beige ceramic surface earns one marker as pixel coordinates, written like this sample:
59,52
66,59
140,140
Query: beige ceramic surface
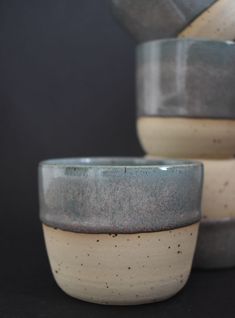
219,189
217,22
187,137
121,269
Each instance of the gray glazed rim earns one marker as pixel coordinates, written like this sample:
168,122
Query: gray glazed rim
186,78
149,196
116,162
199,40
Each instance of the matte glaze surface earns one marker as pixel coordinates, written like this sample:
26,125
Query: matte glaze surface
187,137
119,195
217,22
153,19
186,78
215,247
123,269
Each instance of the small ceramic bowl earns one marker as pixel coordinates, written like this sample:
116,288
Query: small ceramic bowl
120,230
185,98
215,248
155,19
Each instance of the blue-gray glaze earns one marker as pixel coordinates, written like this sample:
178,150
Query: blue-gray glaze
155,19
215,247
186,78
119,195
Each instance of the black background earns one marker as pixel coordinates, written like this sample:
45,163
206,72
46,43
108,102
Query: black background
67,89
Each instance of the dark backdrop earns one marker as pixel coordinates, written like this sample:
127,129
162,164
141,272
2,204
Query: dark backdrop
67,89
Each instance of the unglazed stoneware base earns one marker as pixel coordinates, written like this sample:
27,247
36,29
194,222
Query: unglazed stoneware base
186,137
215,247
217,22
121,269
219,189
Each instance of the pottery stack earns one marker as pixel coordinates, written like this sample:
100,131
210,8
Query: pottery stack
186,102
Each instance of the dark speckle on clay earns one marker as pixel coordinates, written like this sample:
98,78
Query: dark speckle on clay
135,276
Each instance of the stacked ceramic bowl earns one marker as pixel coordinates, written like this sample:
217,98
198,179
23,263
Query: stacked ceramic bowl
186,102
120,230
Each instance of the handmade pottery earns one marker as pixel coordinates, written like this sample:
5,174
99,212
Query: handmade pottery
120,231
185,98
154,19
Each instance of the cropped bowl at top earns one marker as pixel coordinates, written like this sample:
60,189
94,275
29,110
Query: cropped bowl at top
185,97
120,230
155,19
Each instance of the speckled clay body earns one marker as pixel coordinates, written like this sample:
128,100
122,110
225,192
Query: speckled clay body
121,269
219,190
176,137
120,231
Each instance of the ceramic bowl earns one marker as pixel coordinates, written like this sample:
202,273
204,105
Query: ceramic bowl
154,19
185,98
120,230
215,248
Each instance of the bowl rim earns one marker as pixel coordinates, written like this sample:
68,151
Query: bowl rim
157,42
118,162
